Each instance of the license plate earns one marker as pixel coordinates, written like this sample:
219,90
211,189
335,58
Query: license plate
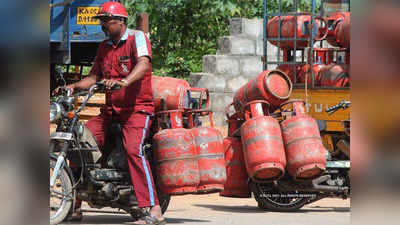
61,135
84,16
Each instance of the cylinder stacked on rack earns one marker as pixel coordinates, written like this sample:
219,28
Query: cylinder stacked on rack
305,152
288,29
339,31
210,158
273,86
172,91
176,154
190,158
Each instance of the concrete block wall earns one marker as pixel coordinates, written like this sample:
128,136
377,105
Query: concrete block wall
238,59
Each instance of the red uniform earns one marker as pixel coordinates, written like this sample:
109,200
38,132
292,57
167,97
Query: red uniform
132,106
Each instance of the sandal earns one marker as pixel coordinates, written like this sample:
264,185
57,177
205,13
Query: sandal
151,220
76,217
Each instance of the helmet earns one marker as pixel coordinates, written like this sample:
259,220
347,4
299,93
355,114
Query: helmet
112,9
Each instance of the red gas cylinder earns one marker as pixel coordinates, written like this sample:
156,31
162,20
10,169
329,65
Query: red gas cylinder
177,170
289,70
339,29
304,150
263,149
273,86
210,157
342,32
305,73
236,174
335,75
174,92
234,122
288,29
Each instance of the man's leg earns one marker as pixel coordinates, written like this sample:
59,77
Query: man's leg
135,131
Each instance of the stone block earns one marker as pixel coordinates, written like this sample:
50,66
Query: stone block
219,119
272,50
221,64
231,45
251,65
234,83
220,100
248,28
206,80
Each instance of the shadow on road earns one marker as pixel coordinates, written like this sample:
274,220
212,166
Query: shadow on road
236,209
124,219
180,220
253,209
329,209
104,219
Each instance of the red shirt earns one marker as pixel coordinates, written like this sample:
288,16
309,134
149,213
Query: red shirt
116,61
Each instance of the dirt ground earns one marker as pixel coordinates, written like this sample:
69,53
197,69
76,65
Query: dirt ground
212,209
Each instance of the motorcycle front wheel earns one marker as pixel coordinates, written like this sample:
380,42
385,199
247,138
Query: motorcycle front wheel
60,195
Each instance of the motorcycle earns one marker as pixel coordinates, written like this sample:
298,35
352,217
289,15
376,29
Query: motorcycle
287,194
77,168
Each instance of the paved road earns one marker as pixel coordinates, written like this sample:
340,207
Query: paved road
214,210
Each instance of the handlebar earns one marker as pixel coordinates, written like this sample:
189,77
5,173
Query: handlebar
98,86
342,104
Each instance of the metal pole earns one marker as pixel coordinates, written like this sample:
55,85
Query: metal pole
265,65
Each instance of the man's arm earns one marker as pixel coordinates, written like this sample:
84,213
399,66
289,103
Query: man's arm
142,66
137,73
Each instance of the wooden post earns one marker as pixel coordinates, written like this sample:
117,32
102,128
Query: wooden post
142,22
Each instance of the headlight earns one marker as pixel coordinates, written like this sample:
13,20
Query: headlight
55,111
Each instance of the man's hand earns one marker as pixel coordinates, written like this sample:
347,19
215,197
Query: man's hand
110,83
71,87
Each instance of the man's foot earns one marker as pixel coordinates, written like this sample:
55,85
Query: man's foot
75,216
153,216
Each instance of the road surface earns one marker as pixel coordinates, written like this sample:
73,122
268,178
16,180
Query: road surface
212,209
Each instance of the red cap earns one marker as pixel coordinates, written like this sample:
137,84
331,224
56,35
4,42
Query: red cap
112,9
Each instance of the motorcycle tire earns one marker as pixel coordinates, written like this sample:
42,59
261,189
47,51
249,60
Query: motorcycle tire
266,199
64,183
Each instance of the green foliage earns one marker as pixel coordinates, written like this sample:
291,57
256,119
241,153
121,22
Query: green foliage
182,31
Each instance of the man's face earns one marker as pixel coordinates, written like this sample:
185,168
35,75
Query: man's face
111,27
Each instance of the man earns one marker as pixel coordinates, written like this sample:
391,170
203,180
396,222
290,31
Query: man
125,59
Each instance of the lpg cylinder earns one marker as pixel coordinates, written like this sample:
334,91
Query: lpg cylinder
210,156
174,92
177,170
305,74
342,32
234,122
290,70
339,29
288,30
236,174
273,86
305,152
335,75
263,148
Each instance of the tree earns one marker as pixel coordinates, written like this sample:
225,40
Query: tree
182,31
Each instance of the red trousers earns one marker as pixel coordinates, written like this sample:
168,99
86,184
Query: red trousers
135,126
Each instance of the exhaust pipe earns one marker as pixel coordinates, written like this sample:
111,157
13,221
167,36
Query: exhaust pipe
317,185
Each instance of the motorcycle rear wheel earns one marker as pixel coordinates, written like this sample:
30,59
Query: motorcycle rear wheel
269,198
60,203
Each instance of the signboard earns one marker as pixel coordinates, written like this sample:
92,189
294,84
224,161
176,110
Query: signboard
84,16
